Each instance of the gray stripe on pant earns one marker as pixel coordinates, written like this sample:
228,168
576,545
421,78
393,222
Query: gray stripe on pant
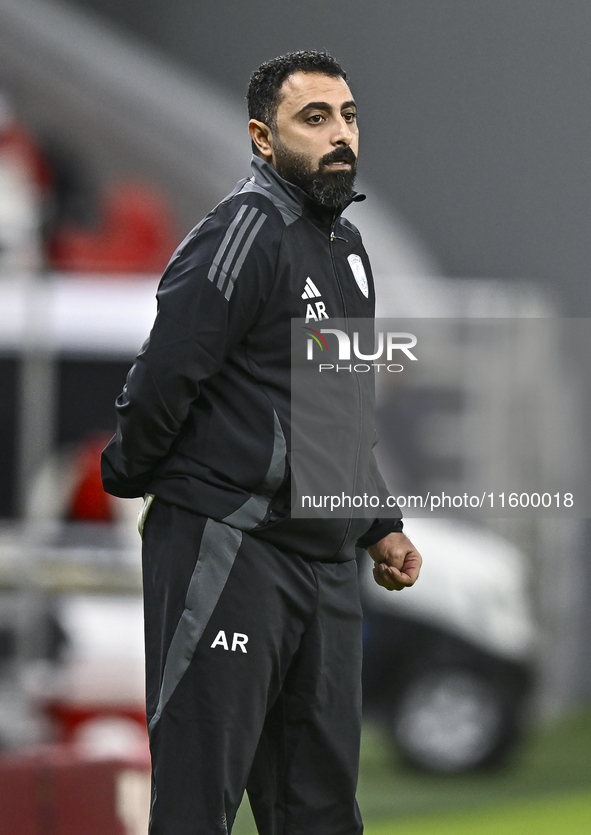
217,552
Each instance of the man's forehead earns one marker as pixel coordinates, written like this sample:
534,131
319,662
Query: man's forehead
302,87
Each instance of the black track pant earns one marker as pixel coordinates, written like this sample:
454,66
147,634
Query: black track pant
253,681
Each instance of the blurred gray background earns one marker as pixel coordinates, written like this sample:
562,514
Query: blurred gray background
475,115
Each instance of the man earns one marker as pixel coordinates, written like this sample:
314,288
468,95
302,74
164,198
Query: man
252,617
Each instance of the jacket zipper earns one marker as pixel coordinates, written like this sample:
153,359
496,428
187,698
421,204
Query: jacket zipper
331,239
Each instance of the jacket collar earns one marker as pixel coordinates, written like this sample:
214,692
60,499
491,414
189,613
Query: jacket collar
266,177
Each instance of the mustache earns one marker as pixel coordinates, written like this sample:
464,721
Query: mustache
344,154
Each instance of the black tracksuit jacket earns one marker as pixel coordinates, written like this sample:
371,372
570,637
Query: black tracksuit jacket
204,417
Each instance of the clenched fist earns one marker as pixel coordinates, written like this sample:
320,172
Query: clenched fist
397,562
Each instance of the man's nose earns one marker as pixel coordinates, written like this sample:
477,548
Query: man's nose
343,135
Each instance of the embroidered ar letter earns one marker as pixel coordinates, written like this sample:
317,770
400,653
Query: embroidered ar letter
318,314
220,640
239,640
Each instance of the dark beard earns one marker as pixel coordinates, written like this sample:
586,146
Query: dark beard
333,189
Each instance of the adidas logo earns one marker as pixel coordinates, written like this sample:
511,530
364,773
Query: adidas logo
310,290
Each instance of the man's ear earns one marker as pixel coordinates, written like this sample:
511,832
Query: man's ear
262,138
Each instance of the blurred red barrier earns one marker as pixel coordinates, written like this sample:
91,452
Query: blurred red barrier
68,717
136,235
21,796
61,791
89,502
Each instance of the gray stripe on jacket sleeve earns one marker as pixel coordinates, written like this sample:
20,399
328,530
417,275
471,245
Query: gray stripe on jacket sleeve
235,244
243,254
222,247
217,552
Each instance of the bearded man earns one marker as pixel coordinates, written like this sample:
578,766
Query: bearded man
253,622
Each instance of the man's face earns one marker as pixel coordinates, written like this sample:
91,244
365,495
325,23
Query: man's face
316,139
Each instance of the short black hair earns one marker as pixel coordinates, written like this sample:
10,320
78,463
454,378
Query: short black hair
266,82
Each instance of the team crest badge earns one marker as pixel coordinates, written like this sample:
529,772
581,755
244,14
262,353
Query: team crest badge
358,271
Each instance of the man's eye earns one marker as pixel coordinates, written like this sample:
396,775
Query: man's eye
316,118
349,117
